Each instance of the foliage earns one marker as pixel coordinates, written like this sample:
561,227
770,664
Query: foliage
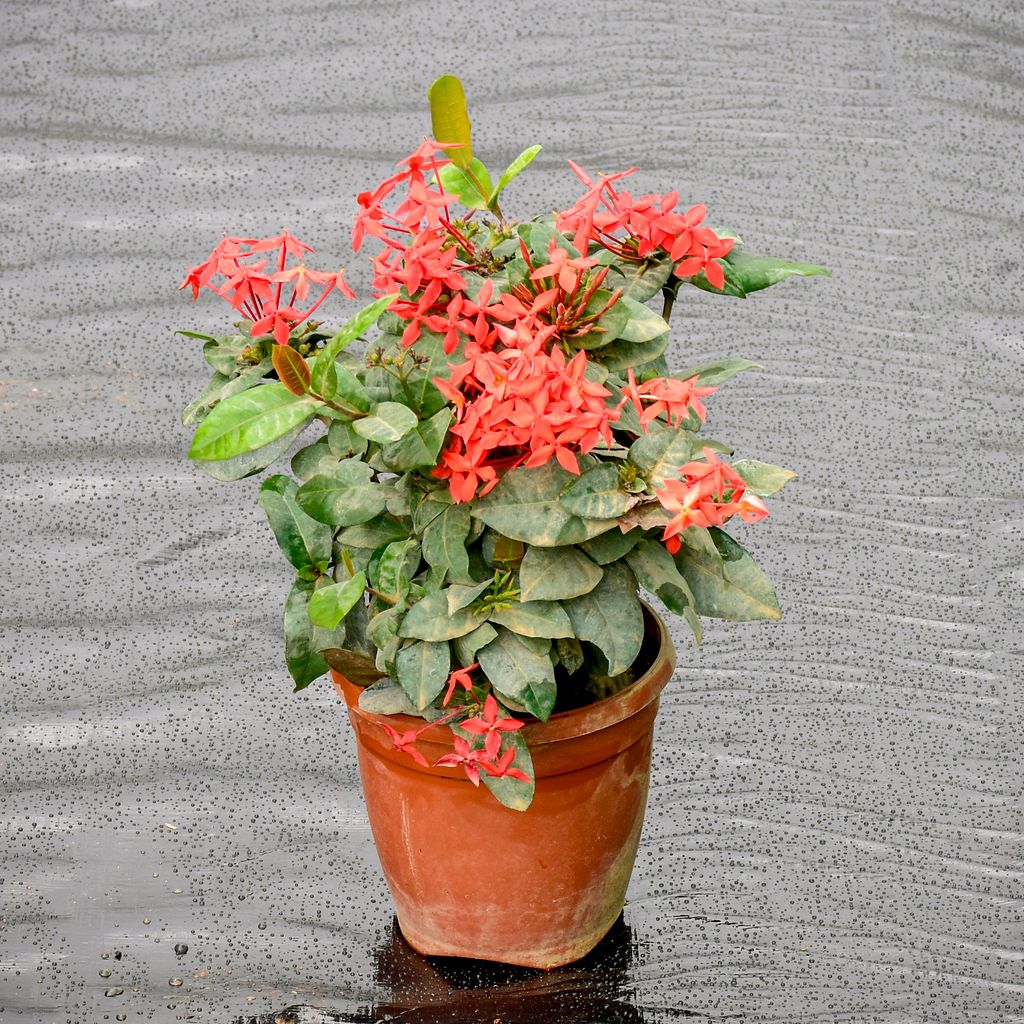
503,458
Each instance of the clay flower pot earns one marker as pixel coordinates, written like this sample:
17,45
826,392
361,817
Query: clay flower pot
539,888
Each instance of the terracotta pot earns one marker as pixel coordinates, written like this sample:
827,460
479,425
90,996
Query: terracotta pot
538,888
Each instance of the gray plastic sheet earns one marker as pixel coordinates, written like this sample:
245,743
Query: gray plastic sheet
835,826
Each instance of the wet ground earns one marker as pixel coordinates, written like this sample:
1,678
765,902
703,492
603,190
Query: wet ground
835,830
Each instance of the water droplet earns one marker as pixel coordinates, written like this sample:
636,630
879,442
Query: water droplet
121,1016
104,956
106,972
262,926
114,991
147,920
175,983
181,949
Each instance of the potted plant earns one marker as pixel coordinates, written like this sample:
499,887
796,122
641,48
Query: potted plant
503,460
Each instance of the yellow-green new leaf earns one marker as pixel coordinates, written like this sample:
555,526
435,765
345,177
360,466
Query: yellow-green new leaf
450,119
330,604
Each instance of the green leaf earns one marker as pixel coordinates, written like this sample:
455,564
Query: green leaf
330,604
373,534
660,454
420,447
196,334
731,586
304,662
518,672
342,495
224,354
610,617
656,571
745,274
388,422
467,646
525,506
250,420
713,374
248,463
221,387
611,546
607,328
643,323
422,670
305,542
761,478
429,619
623,355
386,697
355,666
596,494
398,563
449,118
534,618
353,329
570,654
513,170
463,595
306,462
344,441
444,541
471,184
556,574
638,281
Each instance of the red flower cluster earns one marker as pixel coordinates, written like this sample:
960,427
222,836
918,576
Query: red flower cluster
649,223
666,395
256,290
516,406
490,725
709,493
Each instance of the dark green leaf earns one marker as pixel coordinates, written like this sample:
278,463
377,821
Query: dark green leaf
596,494
516,671
638,281
731,586
444,541
304,662
745,274
386,697
622,355
342,495
421,446
525,506
305,542
429,619
467,646
422,670
534,619
611,546
373,534
643,323
556,574
610,617
660,454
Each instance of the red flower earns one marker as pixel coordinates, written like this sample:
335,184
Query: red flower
668,396
502,768
491,726
460,677
566,270
465,755
406,742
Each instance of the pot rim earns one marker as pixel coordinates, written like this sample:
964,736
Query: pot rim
565,724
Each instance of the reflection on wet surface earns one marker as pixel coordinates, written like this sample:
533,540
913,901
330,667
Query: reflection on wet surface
419,990
835,828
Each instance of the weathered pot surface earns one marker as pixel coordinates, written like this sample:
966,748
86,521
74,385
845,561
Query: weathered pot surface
540,888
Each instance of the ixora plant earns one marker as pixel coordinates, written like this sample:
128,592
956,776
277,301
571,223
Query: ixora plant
504,457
